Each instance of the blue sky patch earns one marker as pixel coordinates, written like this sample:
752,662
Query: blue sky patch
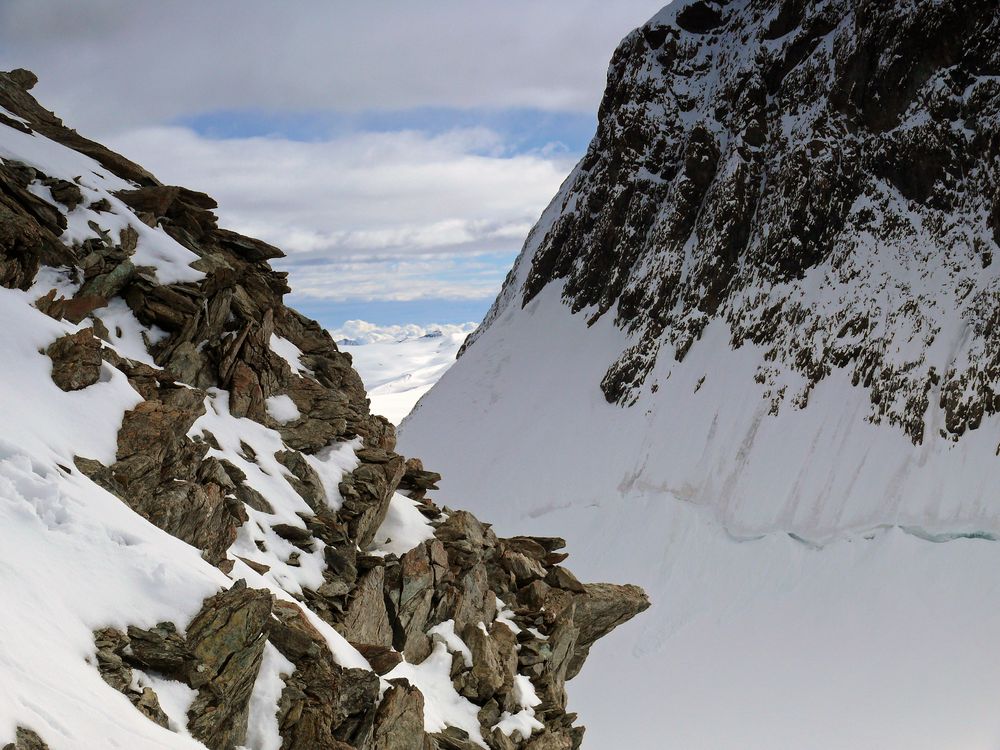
523,130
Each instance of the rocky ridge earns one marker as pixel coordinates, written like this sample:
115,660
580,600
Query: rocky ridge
253,442
820,175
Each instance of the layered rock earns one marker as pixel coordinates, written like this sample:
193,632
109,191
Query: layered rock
289,500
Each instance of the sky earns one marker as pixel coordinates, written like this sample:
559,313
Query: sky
398,152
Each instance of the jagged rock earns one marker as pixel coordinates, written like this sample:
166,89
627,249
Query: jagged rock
26,739
382,659
23,78
227,638
524,568
304,479
64,191
163,650
158,473
415,481
488,672
366,619
76,360
399,721
601,608
24,240
323,705
553,741
561,578
247,247
111,645
558,654
222,332
367,492
410,589
192,210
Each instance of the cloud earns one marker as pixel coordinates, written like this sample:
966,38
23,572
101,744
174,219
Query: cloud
112,65
398,279
369,216
361,332
399,152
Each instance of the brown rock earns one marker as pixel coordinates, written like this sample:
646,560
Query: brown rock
551,741
399,721
76,360
227,637
26,739
601,609
366,619
382,659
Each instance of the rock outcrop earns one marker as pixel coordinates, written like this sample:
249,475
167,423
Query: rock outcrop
292,502
821,176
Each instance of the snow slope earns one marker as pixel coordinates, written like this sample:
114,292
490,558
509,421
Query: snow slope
75,558
787,612
399,364
781,452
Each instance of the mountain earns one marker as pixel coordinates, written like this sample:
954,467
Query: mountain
748,358
208,539
399,364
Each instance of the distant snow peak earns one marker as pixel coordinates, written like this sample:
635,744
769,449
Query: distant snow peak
400,363
361,332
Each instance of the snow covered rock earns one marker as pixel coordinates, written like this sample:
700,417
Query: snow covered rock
206,540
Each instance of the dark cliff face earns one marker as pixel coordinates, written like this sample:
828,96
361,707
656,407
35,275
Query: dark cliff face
215,349
822,176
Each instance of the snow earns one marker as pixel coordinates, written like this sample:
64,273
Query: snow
403,529
127,334
798,597
506,616
282,409
443,706
170,260
74,557
175,698
7,113
331,464
73,423
523,723
262,730
445,632
288,352
399,364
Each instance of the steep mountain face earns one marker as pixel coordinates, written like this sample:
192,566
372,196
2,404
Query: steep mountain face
748,356
808,188
208,539
819,175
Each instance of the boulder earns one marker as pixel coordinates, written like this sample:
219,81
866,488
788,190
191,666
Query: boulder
76,360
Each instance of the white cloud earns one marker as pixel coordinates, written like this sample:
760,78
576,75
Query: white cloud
397,279
111,65
387,216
